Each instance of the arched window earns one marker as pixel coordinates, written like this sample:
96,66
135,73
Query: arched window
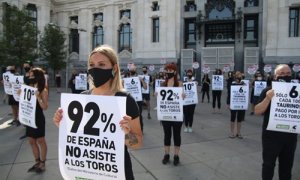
251,3
125,38
98,36
98,33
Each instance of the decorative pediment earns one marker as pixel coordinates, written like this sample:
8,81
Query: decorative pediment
73,25
97,23
125,54
125,20
74,56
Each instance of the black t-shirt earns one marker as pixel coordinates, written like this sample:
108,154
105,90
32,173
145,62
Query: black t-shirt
268,133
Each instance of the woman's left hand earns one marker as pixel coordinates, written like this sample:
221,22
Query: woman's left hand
124,124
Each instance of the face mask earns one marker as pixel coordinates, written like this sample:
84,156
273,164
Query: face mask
145,72
132,73
284,78
190,76
32,81
26,69
13,71
259,78
100,76
170,75
238,79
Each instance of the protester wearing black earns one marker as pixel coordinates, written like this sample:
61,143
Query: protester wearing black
237,116
281,145
216,94
188,110
255,99
205,87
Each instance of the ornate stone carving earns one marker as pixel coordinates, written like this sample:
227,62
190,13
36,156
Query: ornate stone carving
73,25
125,20
97,23
219,5
125,54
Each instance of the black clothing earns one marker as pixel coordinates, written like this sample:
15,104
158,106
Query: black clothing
276,144
12,101
216,97
168,126
188,113
39,122
58,81
132,110
239,115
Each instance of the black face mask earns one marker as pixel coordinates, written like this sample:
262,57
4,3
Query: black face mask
145,72
26,69
284,78
170,75
31,81
190,76
100,76
13,71
132,73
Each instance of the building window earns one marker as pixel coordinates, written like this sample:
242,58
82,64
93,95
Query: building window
251,3
155,30
294,25
155,6
125,39
190,33
219,33
74,36
125,13
251,28
32,13
190,6
98,33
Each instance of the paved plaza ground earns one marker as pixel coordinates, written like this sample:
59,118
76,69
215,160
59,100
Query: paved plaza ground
206,154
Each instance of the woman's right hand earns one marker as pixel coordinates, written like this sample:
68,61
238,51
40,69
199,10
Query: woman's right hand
58,116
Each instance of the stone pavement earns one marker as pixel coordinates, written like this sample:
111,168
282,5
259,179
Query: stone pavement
206,154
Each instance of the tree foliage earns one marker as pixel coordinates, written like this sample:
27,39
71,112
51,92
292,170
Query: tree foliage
52,47
19,41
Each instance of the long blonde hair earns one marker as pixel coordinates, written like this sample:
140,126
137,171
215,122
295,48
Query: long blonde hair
109,52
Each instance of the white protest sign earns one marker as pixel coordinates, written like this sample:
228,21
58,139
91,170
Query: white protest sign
246,82
268,68
17,81
205,69
226,68
296,67
259,86
146,79
217,82
195,65
27,105
152,67
285,108
169,104
239,97
91,142
190,91
295,81
81,82
158,83
7,76
133,86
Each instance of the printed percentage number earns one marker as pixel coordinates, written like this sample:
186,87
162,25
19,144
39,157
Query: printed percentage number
294,93
165,93
75,113
28,94
188,86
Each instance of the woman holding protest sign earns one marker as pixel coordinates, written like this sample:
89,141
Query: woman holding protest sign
105,80
255,98
205,87
169,126
237,116
216,94
36,137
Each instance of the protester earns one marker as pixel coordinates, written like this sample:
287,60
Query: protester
36,136
104,79
58,81
205,87
188,110
132,73
237,116
146,95
254,98
169,126
71,83
281,145
216,94
12,102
